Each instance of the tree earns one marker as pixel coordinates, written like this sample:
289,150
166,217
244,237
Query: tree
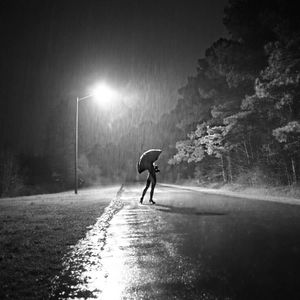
248,90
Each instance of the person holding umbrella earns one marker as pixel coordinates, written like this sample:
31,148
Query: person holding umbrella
146,162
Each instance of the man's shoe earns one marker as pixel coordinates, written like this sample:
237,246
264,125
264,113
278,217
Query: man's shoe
141,200
151,201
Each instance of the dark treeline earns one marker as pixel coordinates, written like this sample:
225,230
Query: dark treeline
236,120
241,111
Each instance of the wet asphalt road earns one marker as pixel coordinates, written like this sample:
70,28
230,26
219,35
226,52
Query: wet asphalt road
190,245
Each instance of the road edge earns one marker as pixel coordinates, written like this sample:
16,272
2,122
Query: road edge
284,200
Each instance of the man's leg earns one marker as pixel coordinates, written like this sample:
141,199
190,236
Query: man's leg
145,189
153,183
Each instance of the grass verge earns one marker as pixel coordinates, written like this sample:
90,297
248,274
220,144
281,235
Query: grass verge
279,191
35,233
287,191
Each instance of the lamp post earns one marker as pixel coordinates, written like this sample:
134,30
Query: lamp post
76,140
102,93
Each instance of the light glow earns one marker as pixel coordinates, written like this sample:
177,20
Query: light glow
104,95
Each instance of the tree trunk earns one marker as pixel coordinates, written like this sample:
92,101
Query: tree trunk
229,168
223,169
247,153
294,171
250,147
268,153
288,177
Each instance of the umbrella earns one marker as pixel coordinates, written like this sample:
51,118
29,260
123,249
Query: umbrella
147,159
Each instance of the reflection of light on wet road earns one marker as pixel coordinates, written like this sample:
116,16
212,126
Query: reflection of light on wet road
114,259
187,246
104,265
131,253
119,256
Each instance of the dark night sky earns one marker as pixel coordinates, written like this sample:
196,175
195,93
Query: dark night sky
54,50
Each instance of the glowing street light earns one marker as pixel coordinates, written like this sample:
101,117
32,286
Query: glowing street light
103,95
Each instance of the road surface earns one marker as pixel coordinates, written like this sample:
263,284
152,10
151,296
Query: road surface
190,245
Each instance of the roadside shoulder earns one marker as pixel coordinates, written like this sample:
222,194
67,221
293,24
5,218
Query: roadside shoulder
279,199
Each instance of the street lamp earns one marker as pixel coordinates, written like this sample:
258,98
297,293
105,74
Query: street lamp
102,93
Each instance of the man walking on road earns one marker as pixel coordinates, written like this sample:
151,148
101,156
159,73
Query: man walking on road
150,179
146,162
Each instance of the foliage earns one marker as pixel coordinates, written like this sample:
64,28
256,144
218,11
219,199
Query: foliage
249,90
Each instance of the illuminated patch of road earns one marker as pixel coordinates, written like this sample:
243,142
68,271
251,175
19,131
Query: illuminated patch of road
130,253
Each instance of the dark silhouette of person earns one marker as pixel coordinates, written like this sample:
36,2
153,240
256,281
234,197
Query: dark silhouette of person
150,179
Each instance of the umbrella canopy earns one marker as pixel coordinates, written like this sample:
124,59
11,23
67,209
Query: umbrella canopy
147,159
